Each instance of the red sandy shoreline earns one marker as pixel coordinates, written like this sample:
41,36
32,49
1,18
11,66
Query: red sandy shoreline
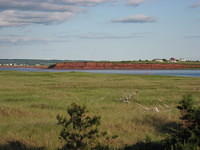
120,66
109,66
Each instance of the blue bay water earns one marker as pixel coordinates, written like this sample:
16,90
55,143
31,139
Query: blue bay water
186,73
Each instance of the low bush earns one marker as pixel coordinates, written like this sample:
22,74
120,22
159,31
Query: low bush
80,131
187,135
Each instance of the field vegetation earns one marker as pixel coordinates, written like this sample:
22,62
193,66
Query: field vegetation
134,107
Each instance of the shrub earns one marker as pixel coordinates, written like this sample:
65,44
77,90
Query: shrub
187,135
80,130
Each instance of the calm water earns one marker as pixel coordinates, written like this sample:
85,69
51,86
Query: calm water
186,73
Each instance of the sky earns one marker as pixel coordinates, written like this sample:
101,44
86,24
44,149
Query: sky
99,29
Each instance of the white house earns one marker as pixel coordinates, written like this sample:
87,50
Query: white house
158,60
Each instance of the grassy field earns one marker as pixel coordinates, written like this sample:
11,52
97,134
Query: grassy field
29,103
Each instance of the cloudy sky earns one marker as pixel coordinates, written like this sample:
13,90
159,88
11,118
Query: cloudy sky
99,29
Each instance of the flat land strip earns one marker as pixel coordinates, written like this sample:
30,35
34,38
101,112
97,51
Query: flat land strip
30,102
128,66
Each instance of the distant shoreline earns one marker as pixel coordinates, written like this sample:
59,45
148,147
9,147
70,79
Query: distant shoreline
25,66
121,66
156,64
109,66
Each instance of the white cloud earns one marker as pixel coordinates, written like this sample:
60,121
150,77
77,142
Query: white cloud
106,36
13,39
10,18
33,5
81,2
135,19
26,12
25,40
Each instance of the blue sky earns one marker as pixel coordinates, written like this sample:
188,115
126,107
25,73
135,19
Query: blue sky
99,29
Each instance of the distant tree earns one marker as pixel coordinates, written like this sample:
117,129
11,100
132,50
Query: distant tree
165,60
80,130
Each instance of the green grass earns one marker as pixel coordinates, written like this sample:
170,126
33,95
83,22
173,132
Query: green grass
29,103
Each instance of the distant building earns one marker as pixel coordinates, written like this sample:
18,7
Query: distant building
182,59
158,60
173,60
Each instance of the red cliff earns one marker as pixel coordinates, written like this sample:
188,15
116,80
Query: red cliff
122,66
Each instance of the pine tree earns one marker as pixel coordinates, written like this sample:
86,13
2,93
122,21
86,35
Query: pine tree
80,130
187,135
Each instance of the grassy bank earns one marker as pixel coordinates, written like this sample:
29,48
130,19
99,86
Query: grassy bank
29,103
